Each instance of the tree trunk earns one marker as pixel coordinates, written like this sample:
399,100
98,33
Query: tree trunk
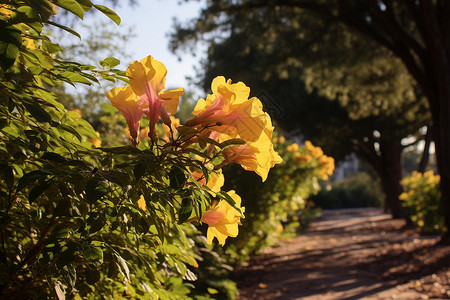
442,145
388,163
437,88
391,161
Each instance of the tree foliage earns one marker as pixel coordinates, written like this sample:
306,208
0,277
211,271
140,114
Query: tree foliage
306,59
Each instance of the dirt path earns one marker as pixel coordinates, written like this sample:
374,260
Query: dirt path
350,254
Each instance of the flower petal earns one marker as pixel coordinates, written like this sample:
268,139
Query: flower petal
171,99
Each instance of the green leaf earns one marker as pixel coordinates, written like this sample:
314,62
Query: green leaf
24,14
86,4
109,62
186,130
96,188
40,114
65,28
10,41
29,178
63,207
92,253
139,170
95,223
109,13
59,233
38,190
70,130
92,276
186,208
66,257
123,267
7,175
75,77
72,6
51,48
55,157
177,178
232,142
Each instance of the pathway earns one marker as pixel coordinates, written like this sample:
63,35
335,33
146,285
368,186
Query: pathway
348,254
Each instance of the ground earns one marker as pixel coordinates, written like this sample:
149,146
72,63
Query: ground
350,254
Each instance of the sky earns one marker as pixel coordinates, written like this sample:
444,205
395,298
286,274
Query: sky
151,21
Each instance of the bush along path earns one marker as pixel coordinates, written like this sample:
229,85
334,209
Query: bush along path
350,254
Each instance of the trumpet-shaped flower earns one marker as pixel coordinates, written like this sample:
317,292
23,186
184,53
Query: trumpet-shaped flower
130,106
251,159
215,182
229,110
223,219
146,90
141,203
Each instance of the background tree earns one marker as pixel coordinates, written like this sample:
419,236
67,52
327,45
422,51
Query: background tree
286,52
417,32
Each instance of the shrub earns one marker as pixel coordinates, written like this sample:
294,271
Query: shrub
421,198
81,221
277,207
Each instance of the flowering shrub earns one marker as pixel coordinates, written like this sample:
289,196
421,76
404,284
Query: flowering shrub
78,220
421,198
283,195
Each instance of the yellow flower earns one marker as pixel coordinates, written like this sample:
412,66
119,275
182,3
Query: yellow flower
4,10
229,110
215,182
228,113
145,95
130,106
95,141
223,219
293,147
251,159
141,203
309,146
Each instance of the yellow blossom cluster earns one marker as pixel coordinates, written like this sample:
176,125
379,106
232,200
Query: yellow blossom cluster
226,117
421,197
229,113
309,155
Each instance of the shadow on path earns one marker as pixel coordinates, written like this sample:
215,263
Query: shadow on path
345,254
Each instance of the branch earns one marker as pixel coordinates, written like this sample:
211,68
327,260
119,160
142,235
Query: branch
397,48
40,245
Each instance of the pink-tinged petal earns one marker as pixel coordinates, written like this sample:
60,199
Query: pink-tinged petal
148,79
212,217
129,105
153,116
223,219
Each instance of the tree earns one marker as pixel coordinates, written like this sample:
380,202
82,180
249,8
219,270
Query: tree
269,50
